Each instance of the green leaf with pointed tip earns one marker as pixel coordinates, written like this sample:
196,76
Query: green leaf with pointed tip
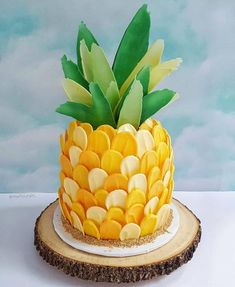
155,101
74,110
101,108
86,61
133,45
76,93
72,72
84,34
112,94
101,70
132,106
162,70
143,77
97,114
96,69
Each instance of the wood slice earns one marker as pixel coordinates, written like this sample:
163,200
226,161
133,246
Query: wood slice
87,266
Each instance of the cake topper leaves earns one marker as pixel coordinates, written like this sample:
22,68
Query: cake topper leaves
133,45
163,70
132,106
154,101
72,72
84,34
76,93
119,93
97,114
151,58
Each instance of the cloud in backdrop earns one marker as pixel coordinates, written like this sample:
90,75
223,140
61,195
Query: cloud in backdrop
35,34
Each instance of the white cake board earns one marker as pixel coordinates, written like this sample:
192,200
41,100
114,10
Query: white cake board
116,251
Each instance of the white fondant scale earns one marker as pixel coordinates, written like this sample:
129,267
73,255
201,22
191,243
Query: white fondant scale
116,251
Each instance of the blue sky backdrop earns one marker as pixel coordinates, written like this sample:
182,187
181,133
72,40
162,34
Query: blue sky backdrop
35,34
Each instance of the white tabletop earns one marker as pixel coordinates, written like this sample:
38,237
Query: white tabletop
212,265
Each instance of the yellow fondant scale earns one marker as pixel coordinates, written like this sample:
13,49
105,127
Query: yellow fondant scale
116,184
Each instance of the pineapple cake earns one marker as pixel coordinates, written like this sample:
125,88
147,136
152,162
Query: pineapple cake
117,163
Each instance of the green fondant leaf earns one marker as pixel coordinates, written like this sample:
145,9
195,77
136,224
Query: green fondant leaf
84,34
102,72
72,72
143,77
162,70
133,45
102,112
76,93
86,61
112,94
74,110
132,106
97,114
155,101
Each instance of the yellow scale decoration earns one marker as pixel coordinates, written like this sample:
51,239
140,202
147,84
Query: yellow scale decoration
116,183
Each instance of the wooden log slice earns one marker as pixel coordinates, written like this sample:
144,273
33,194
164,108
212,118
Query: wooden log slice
87,266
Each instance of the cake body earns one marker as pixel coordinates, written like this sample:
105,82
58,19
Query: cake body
116,183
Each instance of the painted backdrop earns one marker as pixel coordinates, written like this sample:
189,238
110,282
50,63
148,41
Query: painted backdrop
35,34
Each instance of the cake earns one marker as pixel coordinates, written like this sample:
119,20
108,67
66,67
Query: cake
117,163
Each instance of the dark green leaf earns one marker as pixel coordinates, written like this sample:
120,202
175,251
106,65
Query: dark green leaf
75,110
71,72
143,76
133,45
154,101
102,112
98,114
84,33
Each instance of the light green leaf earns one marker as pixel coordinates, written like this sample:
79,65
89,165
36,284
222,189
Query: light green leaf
72,72
132,106
151,58
86,61
112,94
155,101
133,46
162,70
97,114
96,69
76,93
143,77
101,70
84,34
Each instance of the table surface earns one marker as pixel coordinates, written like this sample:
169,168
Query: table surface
212,265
